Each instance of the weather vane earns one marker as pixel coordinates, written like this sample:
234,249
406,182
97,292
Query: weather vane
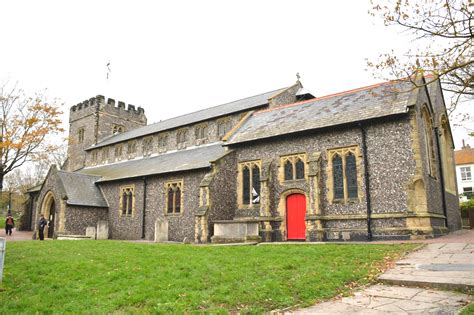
108,69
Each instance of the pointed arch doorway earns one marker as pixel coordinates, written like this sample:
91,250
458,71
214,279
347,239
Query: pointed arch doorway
48,209
295,217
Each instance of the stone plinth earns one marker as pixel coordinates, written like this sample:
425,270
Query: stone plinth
235,232
161,230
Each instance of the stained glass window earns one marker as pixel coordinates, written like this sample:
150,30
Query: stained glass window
246,186
288,170
256,185
124,203
170,200
351,175
299,169
338,177
129,202
177,200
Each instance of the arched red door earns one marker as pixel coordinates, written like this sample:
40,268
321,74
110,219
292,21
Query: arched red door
295,217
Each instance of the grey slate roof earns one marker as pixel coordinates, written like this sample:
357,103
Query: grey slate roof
195,158
201,115
356,105
81,190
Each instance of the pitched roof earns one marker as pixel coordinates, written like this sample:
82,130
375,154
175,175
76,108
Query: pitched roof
81,190
183,160
464,156
201,115
374,101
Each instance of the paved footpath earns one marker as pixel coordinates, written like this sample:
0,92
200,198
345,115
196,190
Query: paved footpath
17,235
417,284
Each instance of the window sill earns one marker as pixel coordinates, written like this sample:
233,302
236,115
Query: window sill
178,214
346,201
126,215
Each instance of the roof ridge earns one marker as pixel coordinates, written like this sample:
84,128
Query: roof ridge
76,173
327,96
187,114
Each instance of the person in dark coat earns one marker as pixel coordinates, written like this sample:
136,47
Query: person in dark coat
41,225
9,224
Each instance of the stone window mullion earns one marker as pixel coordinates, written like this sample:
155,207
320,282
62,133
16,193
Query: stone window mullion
344,177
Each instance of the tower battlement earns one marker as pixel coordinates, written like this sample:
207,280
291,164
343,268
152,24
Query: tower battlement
99,102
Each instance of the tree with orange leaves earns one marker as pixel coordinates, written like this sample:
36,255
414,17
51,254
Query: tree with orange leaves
27,123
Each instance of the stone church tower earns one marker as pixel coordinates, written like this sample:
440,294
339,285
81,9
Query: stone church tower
94,120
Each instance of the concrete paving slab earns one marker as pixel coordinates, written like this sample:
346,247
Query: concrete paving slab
376,300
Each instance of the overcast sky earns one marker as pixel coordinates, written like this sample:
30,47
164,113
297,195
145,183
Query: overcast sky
175,57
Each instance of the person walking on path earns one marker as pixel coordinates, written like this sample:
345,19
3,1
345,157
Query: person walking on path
9,224
41,224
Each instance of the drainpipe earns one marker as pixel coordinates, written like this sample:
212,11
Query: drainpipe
144,206
367,182
441,178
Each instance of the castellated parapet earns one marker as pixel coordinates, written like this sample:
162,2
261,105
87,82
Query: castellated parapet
99,104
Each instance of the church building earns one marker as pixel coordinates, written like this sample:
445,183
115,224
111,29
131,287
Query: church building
370,163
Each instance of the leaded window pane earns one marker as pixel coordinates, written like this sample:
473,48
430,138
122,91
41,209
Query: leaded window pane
288,170
177,200
256,184
351,176
338,177
124,203
170,200
246,186
299,169
129,203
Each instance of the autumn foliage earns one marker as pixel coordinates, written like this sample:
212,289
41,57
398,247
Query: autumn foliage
443,39
27,126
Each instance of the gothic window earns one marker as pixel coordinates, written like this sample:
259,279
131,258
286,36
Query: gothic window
246,186
105,154
255,184
118,151
181,138
131,147
338,177
147,146
343,174
428,136
447,155
351,175
174,197
288,170
299,169
80,135
170,200
95,153
223,126
162,142
127,201
293,167
249,191
201,132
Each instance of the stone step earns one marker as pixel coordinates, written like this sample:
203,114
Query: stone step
435,281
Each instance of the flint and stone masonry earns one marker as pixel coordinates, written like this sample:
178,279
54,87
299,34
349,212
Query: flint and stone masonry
370,163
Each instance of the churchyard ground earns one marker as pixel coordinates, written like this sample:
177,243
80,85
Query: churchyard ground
115,276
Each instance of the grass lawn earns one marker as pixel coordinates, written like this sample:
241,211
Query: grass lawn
114,276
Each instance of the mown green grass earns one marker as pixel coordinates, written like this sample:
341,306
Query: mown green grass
124,277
